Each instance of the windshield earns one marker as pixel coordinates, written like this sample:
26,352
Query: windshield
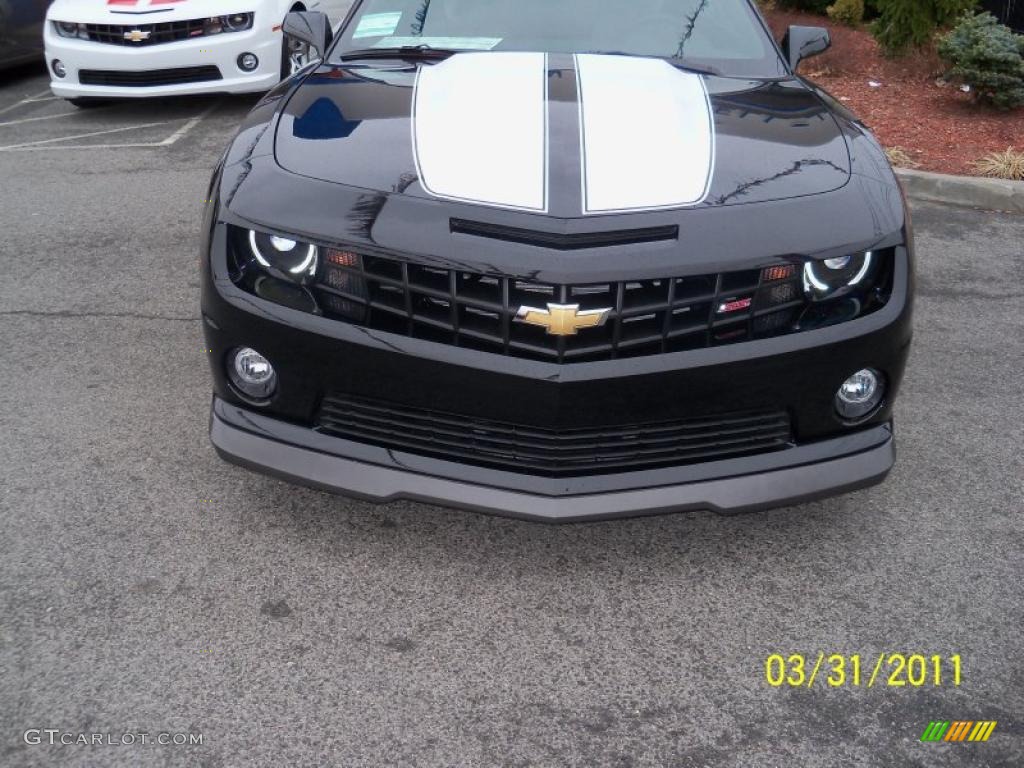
723,36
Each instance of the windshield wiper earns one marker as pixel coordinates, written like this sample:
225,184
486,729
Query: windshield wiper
675,61
400,52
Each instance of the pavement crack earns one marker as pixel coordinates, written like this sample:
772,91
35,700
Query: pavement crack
110,315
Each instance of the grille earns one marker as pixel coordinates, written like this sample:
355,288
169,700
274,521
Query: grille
149,77
480,311
536,451
555,322
164,32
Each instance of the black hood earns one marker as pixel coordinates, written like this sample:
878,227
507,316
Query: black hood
357,125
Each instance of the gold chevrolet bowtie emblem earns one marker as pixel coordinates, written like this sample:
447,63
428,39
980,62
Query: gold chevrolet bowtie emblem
136,36
563,319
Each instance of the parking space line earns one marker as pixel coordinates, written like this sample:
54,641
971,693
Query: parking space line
27,99
48,144
32,144
181,132
33,119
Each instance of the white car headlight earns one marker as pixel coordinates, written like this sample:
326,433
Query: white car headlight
237,22
71,29
234,22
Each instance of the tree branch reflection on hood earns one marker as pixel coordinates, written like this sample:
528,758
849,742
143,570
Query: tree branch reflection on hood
691,23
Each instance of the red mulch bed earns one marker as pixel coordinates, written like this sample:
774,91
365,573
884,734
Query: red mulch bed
939,127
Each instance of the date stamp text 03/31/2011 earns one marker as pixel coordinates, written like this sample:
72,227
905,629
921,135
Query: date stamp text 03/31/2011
838,670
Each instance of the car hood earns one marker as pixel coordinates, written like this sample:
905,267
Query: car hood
141,11
562,136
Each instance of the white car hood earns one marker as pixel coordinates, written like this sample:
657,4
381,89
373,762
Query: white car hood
145,11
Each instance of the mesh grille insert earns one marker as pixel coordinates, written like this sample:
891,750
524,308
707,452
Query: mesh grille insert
539,451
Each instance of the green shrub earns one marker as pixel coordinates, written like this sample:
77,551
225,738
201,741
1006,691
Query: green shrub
904,23
848,12
988,57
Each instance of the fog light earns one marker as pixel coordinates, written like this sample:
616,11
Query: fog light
860,394
247,62
58,68
252,374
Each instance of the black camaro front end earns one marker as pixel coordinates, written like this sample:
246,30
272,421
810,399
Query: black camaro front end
704,305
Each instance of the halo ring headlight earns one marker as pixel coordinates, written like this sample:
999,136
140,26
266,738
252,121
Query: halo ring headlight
834,277
293,259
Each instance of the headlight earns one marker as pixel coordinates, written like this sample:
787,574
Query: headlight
297,274
71,29
291,259
832,278
235,22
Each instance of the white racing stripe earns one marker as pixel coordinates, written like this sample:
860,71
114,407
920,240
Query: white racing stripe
480,129
647,134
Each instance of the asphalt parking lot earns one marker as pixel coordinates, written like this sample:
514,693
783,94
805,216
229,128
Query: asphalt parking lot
147,587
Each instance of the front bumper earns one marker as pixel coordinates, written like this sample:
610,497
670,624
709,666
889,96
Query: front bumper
797,475
221,51
316,356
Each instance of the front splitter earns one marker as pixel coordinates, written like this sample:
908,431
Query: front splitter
777,487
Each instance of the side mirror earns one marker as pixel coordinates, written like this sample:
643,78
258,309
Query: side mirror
803,42
311,27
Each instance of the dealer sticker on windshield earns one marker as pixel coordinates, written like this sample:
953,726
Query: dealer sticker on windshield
451,43
377,24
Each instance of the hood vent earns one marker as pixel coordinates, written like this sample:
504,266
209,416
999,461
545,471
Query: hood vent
565,242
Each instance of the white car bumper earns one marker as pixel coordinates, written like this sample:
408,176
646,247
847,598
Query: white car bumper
221,51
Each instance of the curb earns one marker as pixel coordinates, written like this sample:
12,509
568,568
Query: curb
970,191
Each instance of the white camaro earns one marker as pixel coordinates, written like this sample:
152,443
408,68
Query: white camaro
136,48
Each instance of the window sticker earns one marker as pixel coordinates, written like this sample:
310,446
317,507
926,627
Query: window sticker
459,43
377,24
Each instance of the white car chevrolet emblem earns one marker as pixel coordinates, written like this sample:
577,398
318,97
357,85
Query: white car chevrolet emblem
136,36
